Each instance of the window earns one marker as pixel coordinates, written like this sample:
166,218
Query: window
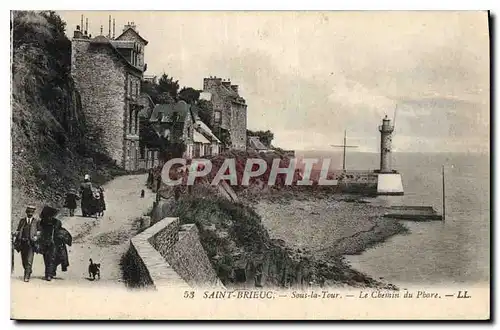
217,116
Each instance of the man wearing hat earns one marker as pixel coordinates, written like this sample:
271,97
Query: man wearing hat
26,237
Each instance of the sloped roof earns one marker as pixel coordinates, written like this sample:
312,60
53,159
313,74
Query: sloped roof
198,137
254,142
137,34
169,112
205,129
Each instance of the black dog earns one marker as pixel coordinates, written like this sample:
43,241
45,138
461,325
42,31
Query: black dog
142,193
94,270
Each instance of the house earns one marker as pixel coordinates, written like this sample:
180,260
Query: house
254,143
180,123
148,157
230,109
107,73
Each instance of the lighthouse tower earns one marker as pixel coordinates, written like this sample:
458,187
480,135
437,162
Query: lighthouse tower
386,130
389,182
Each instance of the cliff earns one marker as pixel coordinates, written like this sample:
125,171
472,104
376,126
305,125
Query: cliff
49,151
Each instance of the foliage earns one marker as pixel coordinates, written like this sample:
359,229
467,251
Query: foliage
167,85
205,112
190,95
266,137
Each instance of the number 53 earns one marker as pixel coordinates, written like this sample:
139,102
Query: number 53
189,294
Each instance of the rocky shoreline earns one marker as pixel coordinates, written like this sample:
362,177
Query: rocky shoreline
325,228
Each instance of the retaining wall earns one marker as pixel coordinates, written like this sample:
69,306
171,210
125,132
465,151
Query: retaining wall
168,255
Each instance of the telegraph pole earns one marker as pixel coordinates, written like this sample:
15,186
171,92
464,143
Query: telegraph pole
344,146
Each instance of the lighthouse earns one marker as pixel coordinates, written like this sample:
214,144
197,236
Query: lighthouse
389,181
386,130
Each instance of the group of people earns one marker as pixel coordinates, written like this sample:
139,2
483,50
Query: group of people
45,236
92,199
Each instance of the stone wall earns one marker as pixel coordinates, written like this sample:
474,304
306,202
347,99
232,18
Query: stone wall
169,255
238,125
188,258
151,268
166,236
100,79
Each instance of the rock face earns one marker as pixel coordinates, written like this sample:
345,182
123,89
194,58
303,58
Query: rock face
50,153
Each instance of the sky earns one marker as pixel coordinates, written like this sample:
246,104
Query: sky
308,76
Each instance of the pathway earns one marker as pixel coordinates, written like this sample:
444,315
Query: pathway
104,240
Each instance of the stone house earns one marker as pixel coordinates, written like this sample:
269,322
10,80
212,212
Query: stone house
148,157
107,73
230,110
180,123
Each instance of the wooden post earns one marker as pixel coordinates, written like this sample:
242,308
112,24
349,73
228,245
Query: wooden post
444,196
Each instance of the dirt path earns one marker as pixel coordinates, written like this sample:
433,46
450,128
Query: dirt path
104,240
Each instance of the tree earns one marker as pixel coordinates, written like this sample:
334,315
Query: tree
190,95
167,84
205,112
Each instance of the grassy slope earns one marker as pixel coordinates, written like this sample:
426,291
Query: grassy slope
49,151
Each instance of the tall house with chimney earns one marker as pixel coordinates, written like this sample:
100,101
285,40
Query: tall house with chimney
107,72
229,109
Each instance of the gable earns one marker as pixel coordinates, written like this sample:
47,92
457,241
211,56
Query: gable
131,35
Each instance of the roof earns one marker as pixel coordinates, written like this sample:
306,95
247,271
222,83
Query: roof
255,143
137,34
205,129
198,137
102,40
168,112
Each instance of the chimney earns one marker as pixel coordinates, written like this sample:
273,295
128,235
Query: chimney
113,28
77,34
235,88
86,25
109,27
101,30
81,23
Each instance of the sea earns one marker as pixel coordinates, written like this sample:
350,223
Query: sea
454,251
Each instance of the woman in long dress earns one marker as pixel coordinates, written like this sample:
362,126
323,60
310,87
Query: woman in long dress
87,197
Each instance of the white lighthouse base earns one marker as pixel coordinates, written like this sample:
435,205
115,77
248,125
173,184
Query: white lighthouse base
389,184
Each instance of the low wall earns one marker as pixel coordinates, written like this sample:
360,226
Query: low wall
168,255
150,266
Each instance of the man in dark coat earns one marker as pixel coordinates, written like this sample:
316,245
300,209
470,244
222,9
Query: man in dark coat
26,237
49,226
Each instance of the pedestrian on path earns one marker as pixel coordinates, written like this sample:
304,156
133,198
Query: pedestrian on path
49,226
25,240
101,203
87,196
70,203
